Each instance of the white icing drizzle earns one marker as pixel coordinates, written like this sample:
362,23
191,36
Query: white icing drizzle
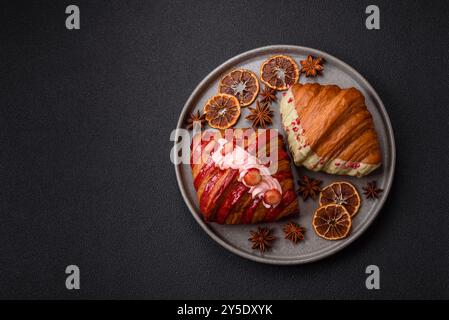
240,159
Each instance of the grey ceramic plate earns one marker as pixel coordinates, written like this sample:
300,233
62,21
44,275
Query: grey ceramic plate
235,237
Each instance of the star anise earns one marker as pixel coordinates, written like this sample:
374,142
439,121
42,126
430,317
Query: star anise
261,115
294,232
371,190
311,66
309,187
261,239
196,117
268,95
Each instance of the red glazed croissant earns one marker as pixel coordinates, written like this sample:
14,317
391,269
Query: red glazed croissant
330,129
233,184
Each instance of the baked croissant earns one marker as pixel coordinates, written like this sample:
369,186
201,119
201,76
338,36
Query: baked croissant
330,129
233,184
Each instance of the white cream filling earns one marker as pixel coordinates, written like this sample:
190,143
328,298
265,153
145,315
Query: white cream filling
240,159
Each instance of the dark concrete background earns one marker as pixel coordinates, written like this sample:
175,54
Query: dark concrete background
85,118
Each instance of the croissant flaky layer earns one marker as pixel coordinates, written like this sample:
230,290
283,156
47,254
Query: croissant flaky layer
222,195
330,129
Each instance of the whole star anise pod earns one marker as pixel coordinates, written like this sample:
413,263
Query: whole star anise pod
261,239
371,190
309,187
311,66
195,117
294,232
268,95
261,115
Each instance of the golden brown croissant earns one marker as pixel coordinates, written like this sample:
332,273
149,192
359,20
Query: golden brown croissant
330,129
233,185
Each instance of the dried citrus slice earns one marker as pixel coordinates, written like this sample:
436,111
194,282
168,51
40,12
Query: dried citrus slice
342,193
242,84
332,222
222,111
279,72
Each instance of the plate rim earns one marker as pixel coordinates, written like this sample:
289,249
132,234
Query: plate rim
389,178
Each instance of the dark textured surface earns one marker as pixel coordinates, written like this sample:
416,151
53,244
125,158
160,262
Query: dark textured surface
85,119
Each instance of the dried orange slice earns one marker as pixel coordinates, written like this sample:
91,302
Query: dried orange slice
279,72
332,222
222,111
242,84
342,193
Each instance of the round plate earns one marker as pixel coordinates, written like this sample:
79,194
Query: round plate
284,252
